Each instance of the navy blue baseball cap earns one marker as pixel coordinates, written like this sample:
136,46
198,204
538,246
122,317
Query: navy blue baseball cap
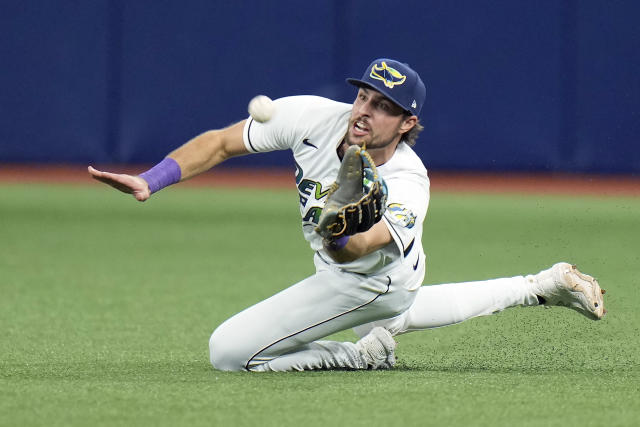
395,80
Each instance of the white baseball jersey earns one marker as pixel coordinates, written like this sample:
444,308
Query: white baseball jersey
387,294
312,128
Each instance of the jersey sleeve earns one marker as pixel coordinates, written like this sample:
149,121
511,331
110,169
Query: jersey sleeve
406,209
282,132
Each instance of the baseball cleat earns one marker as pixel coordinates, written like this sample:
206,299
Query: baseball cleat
564,285
377,349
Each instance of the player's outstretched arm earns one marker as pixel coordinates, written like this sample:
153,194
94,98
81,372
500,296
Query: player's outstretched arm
209,149
196,156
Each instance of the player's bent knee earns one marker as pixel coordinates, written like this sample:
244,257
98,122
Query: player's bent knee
224,353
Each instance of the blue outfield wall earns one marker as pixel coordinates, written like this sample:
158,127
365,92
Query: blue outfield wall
512,85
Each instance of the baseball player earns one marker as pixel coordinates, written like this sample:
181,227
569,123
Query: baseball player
364,195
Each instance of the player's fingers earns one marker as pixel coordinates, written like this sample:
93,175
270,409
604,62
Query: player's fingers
100,174
117,185
129,184
95,173
124,183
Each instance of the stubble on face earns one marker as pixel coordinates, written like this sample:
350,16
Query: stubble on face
372,139
375,120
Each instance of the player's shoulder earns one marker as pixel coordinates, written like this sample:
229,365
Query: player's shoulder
313,117
405,159
405,163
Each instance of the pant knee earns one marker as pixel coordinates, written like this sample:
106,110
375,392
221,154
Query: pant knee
224,353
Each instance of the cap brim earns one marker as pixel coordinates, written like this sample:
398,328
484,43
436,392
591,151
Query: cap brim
361,83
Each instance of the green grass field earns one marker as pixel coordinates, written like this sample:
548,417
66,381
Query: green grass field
106,307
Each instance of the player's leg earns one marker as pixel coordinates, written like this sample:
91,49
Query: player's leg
281,332
441,305
447,304
373,351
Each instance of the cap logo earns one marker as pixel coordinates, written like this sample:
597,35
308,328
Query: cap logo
389,76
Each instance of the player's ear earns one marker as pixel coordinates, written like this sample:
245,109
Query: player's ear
408,123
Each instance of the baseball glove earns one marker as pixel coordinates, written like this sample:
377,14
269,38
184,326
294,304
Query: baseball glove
357,200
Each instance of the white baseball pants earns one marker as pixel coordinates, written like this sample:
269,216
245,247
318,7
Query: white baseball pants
282,333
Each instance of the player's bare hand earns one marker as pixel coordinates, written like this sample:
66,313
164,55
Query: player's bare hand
129,184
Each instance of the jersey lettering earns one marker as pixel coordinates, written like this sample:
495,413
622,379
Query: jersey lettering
319,192
305,186
305,189
313,215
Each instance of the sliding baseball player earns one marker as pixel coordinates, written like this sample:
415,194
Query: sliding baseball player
363,197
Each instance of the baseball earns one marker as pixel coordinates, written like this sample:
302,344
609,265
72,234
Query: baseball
261,108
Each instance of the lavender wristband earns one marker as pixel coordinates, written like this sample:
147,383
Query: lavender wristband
337,244
162,175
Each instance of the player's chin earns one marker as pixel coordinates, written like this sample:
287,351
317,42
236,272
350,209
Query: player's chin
359,140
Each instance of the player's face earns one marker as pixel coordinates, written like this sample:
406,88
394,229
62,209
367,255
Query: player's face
375,120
